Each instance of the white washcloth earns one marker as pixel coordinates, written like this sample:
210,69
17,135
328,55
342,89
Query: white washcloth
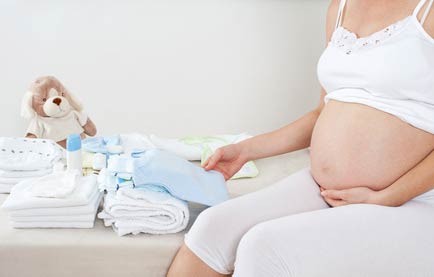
133,211
21,196
91,207
72,224
28,154
56,185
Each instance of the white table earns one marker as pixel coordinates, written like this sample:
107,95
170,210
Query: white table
100,252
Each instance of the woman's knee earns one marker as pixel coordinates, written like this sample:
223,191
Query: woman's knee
210,239
186,263
258,253
208,224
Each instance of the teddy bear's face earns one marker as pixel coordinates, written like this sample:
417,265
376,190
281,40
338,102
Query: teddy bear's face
51,104
47,97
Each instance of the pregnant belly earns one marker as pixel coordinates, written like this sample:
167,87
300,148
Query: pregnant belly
356,145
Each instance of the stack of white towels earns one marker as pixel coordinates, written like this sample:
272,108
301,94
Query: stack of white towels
59,200
23,158
134,211
149,209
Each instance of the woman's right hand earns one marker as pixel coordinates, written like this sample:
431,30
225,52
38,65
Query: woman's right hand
227,160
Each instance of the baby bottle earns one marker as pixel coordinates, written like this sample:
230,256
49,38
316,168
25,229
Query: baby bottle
73,154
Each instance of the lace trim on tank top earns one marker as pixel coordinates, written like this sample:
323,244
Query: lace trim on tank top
349,43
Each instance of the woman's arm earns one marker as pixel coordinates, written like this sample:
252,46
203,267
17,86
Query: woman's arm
229,159
415,182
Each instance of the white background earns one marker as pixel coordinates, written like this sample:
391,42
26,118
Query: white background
168,67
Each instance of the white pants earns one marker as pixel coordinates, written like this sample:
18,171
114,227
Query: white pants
288,230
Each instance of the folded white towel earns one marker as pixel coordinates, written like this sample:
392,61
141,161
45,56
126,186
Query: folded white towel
65,220
28,154
21,196
56,185
24,173
12,181
6,188
76,210
133,211
78,224
56,218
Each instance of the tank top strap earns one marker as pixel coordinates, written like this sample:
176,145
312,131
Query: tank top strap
340,13
427,10
419,7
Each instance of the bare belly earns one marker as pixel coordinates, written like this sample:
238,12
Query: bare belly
356,145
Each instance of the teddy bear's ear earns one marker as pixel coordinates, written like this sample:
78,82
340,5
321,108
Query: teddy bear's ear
27,110
75,103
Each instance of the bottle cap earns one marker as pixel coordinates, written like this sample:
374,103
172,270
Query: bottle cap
73,142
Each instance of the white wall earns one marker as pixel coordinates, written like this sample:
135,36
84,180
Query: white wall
170,67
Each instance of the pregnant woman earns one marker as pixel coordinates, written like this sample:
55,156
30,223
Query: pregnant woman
365,206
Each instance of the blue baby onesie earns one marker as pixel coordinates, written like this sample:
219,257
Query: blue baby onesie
178,176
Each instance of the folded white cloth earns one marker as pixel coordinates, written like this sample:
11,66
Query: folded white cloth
28,154
6,188
56,185
91,207
78,224
12,181
134,211
55,218
64,217
24,173
21,196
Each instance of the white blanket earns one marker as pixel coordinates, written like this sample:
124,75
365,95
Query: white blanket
76,210
28,154
21,196
56,185
133,211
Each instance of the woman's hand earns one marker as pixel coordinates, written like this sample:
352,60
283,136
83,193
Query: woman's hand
227,160
358,195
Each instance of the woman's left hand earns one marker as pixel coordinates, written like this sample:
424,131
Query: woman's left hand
358,195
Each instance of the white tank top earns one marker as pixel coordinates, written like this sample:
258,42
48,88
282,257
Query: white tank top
391,70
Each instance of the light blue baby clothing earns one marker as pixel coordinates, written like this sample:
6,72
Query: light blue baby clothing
162,171
181,178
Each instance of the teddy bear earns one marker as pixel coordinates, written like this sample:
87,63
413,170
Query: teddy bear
54,112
